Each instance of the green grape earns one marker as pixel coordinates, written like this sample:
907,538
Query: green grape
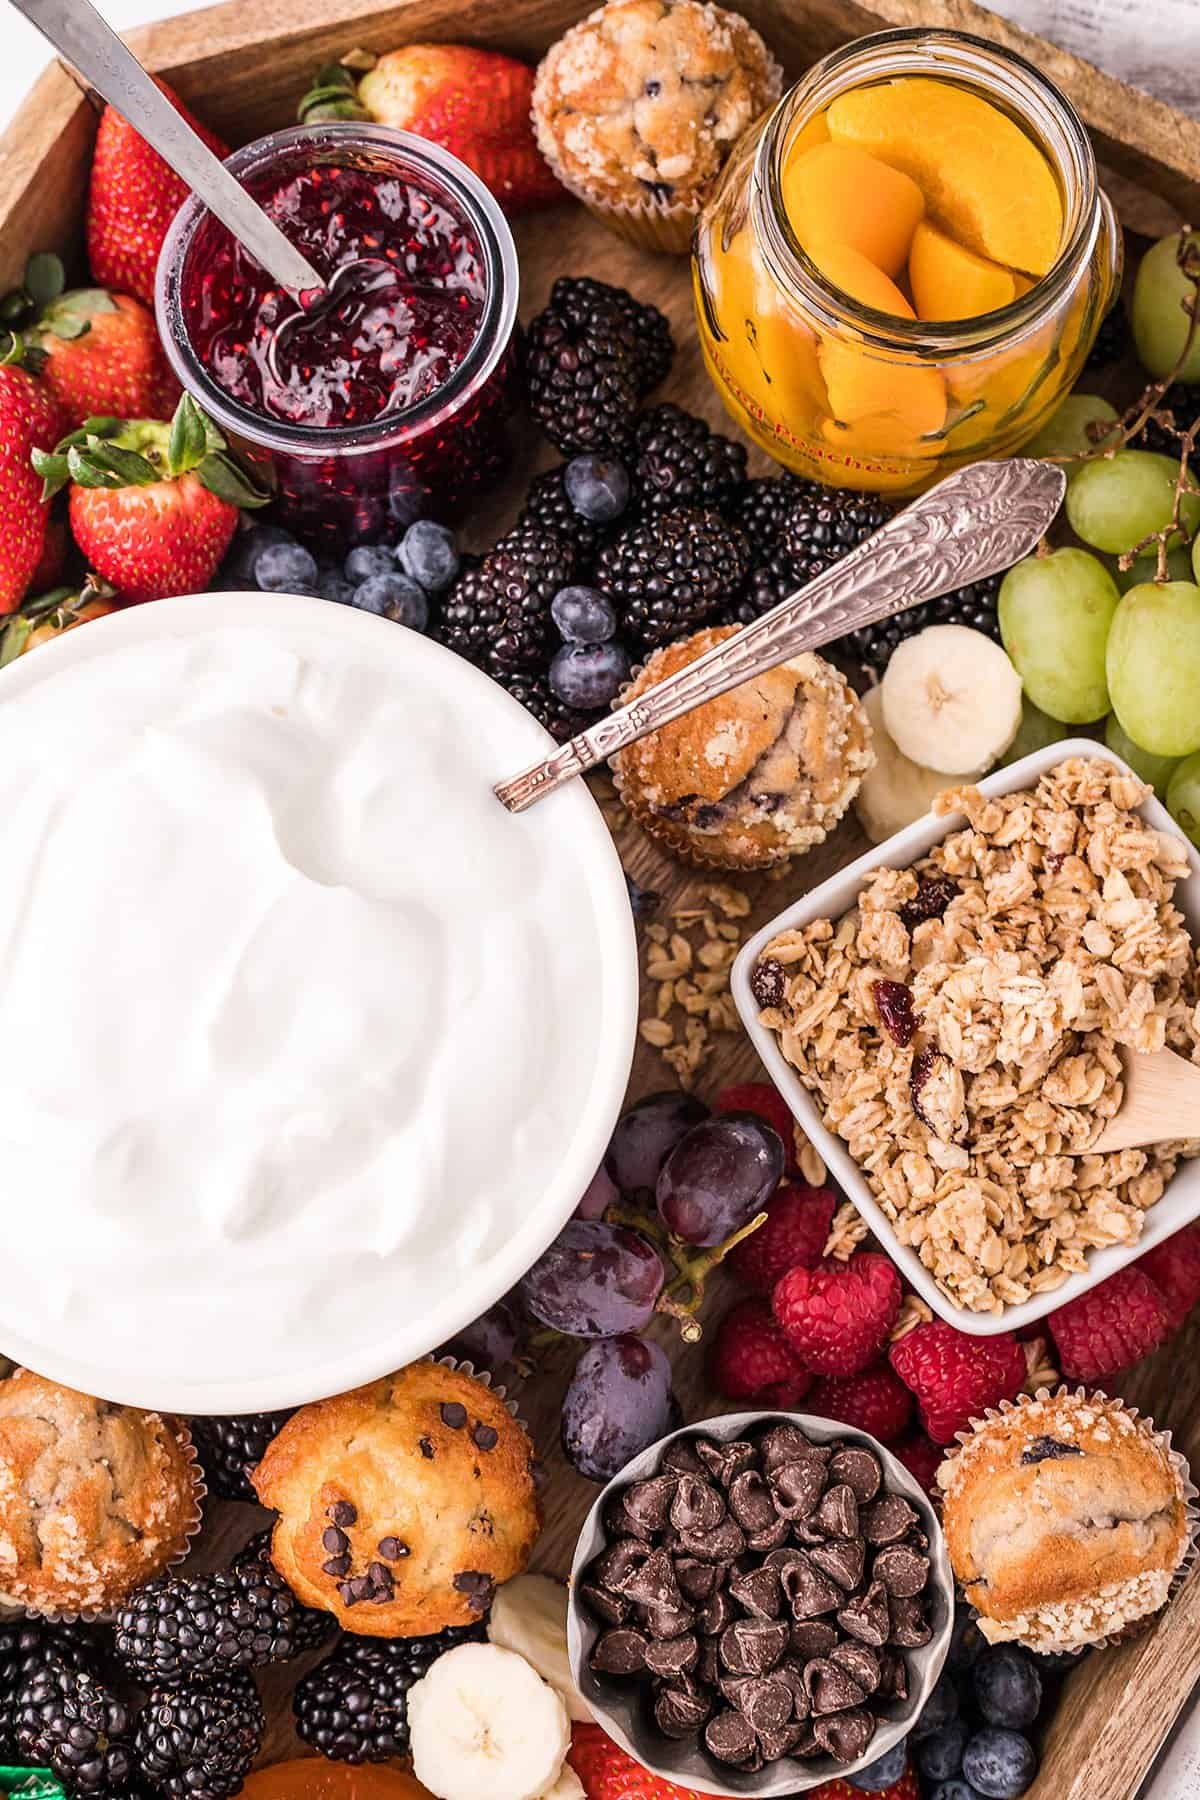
1153,666
1055,612
1157,770
1115,503
1035,731
1145,568
1183,797
1160,324
1065,432
1195,560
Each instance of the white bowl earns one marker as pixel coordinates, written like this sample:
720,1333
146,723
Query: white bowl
1180,1204
590,935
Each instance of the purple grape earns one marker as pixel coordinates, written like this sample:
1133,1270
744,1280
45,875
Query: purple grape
718,1176
594,1281
618,1403
600,1193
646,1135
490,1339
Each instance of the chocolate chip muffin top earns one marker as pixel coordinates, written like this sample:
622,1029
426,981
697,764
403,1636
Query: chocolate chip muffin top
95,1499
403,1504
645,98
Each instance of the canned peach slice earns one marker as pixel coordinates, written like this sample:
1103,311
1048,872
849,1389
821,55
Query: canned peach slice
838,194
951,282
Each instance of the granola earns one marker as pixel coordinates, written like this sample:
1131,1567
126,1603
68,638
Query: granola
1049,942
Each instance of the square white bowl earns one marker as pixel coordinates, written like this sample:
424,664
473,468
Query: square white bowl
1180,1204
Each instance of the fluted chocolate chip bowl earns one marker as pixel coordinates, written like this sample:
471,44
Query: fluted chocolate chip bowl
760,1603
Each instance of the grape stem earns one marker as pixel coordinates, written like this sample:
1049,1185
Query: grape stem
681,1297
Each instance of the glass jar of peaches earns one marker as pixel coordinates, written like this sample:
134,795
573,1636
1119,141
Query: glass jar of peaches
906,263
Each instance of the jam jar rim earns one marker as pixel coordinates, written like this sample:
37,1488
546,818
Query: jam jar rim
497,323
925,339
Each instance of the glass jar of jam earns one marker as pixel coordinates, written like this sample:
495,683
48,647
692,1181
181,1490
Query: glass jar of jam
906,263
394,400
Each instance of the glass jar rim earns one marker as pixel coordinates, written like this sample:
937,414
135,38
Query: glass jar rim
952,54
485,218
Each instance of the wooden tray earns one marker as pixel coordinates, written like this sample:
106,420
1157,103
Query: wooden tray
243,67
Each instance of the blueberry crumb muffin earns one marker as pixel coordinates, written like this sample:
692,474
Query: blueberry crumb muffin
638,107
95,1499
403,1504
760,774
1066,1519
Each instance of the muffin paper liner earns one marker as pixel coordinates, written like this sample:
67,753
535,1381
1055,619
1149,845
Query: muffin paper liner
1187,1490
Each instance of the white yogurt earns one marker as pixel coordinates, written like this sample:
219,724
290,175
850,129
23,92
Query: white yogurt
298,1027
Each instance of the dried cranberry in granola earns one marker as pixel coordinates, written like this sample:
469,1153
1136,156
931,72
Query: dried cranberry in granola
929,902
896,1014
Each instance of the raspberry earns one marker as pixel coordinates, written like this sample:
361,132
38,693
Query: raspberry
798,1221
956,1377
1111,1326
752,1360
761,1098
1174,1268
875,1401
838,1315
921,1457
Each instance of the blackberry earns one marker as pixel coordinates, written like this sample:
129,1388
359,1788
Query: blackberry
1112,339
535,694
771,580
547,508
200,1742
26,1647
581,379
1183,403
678,461
668,574
974,605
645,331
231,1449
310,1629
826,524
761,507
192,1627
497,614
68,1721
354,1706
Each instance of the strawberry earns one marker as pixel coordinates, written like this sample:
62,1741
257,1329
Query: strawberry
50,614
1174,1268
56,547
29,421
921,1457
752,1360
795,1232
1111,1326
608,1773
874,1401
837,1316
956,1377
153,507
769,1104
475,103
131,202
907,1788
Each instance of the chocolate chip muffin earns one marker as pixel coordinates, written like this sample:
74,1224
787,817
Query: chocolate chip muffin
95,1499
404,1504
638,107
1066,1520
754,777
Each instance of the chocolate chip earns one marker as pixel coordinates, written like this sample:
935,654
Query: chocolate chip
680,1458
844,1560
485,1437
668,1621
708,1669
910,1629
830,1687
765,1702
730,1738
750,1501
902,1570
337,1565
759,1592
652,89
809,1590
717,1613
392,1549
796,1487
1048,1449
352,1591
787,1443
342,1513
425,1446
724,1461
454,1414
696,1505
724,1544
811,1637
605,1605
780,1559
860,1662
653,1582
617,1565
620,1523
648,1502
866,1617
673,1656
859,1470
779,1740
476,1588
808,1745
837,1515
845,1735
790,1673
753,1646
621,1651
886,1520
770,1537
383,1587
335,1541
696,1579
893,1676
678,1713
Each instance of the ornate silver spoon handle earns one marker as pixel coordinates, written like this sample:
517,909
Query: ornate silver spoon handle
973,524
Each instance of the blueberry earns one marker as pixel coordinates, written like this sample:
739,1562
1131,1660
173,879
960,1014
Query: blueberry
883,1772
247,547
408,499
429,554
395,597
1000,1764
285,569
583,615
955,1789
940,1754
366,560
333,585
939,1709
1008,1688
597,487
966,1641
587,676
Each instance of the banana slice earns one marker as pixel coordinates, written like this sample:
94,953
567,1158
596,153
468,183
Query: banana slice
529,1615
567,1787
951,700
895,791
482,1721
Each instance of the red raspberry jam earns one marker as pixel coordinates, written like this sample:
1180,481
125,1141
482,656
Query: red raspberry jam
390,397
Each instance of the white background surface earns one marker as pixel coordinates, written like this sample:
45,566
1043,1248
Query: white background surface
1153,43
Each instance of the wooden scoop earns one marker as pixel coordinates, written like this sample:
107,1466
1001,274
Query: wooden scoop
1162,1100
